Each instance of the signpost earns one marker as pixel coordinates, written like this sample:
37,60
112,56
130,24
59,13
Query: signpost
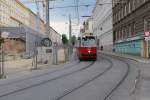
2,66
147,38
46,42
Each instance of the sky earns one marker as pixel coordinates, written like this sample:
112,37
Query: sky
59,16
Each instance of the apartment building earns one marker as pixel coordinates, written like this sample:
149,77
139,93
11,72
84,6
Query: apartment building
102,23
88,26
15,16
131,20
13,13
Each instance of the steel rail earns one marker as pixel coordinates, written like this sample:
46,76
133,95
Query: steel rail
85,83
121,81
43,74
44,82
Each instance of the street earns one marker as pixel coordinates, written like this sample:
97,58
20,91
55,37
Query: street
79,81
74,49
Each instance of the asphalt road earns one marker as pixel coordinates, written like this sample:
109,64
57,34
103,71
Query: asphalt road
81,81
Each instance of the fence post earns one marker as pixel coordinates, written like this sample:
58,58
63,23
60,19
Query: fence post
55,50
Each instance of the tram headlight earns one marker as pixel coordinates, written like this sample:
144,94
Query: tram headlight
89,51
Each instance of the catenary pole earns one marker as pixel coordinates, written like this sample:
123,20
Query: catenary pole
70,35
47,19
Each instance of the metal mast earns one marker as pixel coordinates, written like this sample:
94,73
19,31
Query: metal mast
47,19
70,36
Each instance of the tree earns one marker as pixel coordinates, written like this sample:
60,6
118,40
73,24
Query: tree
64,39
73,40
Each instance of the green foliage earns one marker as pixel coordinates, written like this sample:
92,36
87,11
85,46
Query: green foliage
73,40
1,40
64,39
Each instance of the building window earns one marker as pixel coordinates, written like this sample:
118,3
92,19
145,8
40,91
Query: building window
134,4
125,10
125,32
122,12
130,30
146,24
118,35
133,29
114,35
121,34
119,15
129,6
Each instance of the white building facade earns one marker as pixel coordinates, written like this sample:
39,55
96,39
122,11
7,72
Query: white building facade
102,23
88,26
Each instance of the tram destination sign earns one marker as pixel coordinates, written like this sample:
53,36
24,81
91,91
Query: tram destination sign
147,34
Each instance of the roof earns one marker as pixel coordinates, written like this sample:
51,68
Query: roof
20,32
27,8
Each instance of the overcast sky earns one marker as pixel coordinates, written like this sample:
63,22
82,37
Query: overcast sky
59,17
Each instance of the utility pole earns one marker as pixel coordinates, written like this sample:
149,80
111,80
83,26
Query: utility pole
2,59
70,36
47,19
70,31
35,41
2,72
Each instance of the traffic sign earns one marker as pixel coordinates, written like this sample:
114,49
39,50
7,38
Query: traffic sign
46,42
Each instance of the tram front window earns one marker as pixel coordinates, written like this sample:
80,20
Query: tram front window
88,41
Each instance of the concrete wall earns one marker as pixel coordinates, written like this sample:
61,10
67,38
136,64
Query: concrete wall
14,46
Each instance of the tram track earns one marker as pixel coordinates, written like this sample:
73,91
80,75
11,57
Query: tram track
70,90
120,82
67,92
44,82
43,74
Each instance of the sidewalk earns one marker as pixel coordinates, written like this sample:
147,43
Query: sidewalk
23,67
144,65
15,66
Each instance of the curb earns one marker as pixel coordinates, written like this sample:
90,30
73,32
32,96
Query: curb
122,56
138,77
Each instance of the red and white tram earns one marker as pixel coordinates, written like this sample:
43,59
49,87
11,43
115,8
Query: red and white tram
87,49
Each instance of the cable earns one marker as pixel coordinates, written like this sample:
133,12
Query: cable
75,7
71,6
78,11
36,1
76,3
84,5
